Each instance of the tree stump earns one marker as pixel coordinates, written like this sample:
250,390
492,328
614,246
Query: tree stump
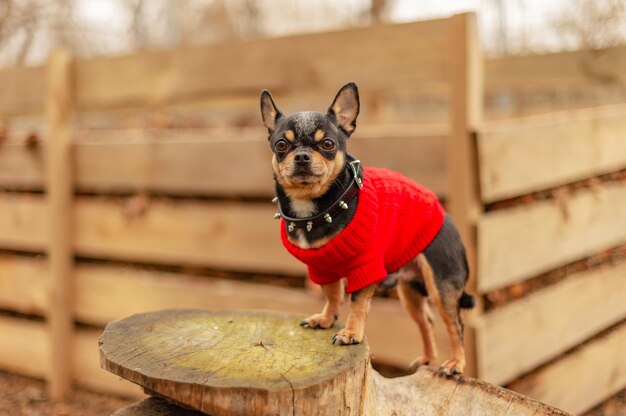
264,363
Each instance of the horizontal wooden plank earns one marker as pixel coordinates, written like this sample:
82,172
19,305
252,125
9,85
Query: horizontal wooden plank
593,300
23,284
105,293
522,242
582,379
26,351
24,347
225,235
209,161
217,234
414,52
22,90
600,67
23,221
531,154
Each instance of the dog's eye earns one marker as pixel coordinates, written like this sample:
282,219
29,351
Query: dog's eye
281,145
328,144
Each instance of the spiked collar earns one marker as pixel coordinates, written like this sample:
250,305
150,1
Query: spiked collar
326,216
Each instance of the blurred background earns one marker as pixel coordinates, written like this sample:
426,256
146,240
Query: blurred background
135,176
31,28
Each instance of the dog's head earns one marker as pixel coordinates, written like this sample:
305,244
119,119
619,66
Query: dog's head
310,147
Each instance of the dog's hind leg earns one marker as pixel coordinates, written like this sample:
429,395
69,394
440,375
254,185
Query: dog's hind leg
446,298
417,307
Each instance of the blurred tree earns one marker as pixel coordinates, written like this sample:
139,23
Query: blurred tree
137,30
379,10
18,22
593,24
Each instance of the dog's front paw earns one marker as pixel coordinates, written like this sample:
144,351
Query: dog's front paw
452,367
347,336
419,362
319,321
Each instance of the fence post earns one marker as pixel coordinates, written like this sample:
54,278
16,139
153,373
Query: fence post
466,105
59,191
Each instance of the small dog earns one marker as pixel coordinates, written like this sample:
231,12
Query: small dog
369,226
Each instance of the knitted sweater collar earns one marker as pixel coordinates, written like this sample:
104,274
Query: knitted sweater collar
351,241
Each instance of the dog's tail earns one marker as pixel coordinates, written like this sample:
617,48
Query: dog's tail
467,301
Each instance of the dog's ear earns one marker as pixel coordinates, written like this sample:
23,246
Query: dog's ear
269,111
345,108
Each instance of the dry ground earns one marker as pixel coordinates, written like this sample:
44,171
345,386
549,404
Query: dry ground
22,396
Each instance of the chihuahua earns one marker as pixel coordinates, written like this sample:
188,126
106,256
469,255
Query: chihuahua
369,227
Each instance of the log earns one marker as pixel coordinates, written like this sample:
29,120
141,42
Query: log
261,363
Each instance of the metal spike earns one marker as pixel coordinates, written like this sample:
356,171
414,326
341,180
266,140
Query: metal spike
343,205
359,182
328,218
291,227
309,226
277,216
275,199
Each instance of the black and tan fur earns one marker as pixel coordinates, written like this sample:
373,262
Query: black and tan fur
309,165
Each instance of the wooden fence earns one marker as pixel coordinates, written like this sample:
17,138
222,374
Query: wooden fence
150,189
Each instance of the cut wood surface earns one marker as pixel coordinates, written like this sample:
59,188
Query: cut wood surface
236,363
592,373
535,153
248,363
209,161
105,293
551,321
519,243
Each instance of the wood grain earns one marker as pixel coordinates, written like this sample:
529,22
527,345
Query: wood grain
598,367
519,243
420,394
550,321
535,153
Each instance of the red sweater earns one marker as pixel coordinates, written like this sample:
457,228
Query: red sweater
395,220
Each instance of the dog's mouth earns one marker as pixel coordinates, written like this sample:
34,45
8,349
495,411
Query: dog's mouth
304,175
304,178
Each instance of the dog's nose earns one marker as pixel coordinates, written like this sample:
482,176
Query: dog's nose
302,158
